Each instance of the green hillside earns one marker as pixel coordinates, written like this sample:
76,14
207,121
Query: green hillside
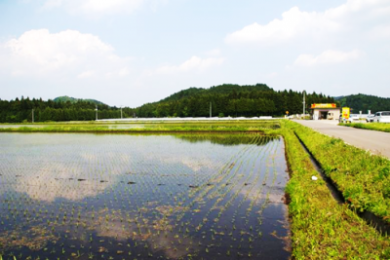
225,88
362,102
75,100
231,100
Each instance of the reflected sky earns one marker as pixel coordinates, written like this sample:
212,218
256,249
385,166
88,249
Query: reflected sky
160,195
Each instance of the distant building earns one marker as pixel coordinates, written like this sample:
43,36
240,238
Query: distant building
325,111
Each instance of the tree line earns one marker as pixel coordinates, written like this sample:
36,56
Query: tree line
362,102
224,100
21,110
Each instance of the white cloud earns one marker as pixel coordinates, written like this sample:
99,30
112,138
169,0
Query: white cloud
272,75
214,52
296,23
380,32
41,53
86,74
110,6
100,7
120,73
327,57
194,63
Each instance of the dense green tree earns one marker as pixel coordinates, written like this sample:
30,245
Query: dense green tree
20,110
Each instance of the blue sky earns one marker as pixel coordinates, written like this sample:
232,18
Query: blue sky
130,52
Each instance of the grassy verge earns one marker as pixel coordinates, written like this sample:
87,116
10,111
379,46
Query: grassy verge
244,126
364,179
321,228
370,126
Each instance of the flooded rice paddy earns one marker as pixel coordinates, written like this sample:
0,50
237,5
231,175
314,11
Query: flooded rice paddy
84,196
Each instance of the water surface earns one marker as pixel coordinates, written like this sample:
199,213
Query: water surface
85,196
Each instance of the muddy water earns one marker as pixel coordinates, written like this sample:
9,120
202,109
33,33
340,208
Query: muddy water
84,196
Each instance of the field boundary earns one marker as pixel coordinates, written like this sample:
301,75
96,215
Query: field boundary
381,127
375,221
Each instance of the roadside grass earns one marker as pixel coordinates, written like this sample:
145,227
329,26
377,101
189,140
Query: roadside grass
383,127
321,228
363,178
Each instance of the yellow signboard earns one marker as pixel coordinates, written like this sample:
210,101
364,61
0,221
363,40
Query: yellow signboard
345,112
330,105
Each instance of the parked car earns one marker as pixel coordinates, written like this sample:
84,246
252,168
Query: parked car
370,118
382,117
353,118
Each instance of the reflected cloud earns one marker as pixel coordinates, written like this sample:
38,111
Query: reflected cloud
53,181
160,234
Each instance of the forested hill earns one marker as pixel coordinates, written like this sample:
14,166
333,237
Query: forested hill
362,102
221,89
75,100
231,100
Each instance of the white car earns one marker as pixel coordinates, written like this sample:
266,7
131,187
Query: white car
353,118
370,118
382,117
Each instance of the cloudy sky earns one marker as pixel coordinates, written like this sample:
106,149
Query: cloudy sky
129,52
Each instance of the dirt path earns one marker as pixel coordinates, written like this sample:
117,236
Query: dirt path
374,141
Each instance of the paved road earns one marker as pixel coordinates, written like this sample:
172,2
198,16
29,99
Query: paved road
374,141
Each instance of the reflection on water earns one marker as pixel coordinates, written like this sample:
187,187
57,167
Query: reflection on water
136,197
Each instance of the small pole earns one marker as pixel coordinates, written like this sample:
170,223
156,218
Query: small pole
32,116
211,110
121,113
304,104
96,113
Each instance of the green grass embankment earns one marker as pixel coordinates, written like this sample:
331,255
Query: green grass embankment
245,126
370,126
321,228
363,178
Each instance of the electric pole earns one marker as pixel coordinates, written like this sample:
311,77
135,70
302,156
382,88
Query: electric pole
32,116
211,110
96,113
304,104
121,113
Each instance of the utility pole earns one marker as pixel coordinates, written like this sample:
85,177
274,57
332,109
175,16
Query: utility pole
304,104
96,113
121,113
211,110
32,116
